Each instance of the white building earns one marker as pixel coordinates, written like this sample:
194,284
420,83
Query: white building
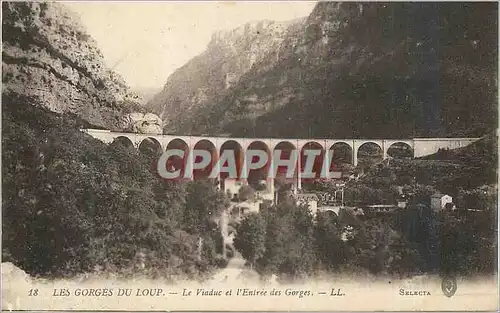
231,187
402,204
242,209
309,199
438,201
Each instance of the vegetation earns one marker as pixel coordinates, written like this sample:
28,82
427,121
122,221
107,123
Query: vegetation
387,70
72,204
286,240
410,241
252,239
297,246
245,193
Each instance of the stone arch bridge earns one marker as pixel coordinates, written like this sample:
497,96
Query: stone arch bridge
418,146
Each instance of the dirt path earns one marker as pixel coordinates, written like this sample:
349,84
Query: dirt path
234,270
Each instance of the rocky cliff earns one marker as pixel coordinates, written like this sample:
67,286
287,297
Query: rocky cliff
211,75
49,57
354,70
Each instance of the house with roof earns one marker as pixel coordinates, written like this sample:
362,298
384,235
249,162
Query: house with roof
439,201
402,201
240,210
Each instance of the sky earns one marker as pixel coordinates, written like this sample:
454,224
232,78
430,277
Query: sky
145,42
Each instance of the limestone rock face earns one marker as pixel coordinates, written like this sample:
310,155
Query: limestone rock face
49,57
209,76
345,72
147,123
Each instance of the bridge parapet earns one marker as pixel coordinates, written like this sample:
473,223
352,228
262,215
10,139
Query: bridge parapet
427,146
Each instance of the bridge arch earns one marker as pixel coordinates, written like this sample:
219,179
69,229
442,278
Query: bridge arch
235,146
209,146
400,149
329,213
150,146
368,153
124,141
177,143
303,142
286,149
175,163
318,160
341,154
258,177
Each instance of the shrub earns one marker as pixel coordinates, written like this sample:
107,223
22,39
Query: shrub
245,193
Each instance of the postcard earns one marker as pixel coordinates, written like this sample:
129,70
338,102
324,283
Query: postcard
249,156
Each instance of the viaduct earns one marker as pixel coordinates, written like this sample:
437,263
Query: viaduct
418,146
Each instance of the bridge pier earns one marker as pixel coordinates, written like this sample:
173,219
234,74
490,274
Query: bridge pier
189,172
298,170
270,187
326,162
384,150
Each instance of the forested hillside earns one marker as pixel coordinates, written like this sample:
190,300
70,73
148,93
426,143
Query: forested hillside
71,204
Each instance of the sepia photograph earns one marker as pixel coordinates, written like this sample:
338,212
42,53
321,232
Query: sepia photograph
249,156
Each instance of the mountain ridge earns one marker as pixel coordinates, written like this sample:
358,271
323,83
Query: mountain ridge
363,70
231,53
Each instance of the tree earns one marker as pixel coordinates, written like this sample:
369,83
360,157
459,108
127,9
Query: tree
250,237
245,193
204,203
329,247
289,238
